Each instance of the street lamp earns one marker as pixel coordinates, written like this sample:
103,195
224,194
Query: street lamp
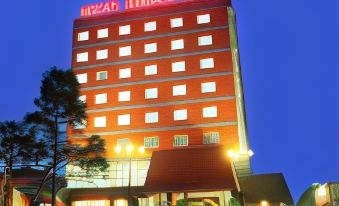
129,149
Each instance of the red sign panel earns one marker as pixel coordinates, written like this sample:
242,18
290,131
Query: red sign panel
111,6
99,8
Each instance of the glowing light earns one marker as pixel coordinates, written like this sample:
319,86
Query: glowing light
250,153
141,150
322,191
232,154
264,203
117,149
130,149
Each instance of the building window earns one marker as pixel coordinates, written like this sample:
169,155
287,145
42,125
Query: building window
208,112
83,98
83,36
205,40
151,26
208,87
100,121
151,93
102,75
124,96
82,57
151,142
180,114
124,119
101,98
81,125
151,69
177,22
82,78
178,66
102,54
179,90
177,44
180,140
150,48
207,63
102,33
203,19
211,138
125,51
92,203
123,30
151,117
124,73
123,142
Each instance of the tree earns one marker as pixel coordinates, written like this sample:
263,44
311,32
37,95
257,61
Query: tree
59,106
13,145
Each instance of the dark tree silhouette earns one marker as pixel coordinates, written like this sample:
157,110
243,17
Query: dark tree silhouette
59,106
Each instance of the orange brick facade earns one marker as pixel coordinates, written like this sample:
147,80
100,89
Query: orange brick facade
165,104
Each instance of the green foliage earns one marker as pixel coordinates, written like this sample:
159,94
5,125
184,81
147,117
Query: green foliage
182,202
234,202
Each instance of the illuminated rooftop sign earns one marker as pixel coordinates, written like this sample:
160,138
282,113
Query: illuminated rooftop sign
112,6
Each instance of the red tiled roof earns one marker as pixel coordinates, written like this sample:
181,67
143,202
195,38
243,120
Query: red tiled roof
158,9
193,169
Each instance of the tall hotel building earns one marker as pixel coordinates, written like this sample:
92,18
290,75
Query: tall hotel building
163,87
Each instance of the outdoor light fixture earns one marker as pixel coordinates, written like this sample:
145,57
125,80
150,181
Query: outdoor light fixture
322,191
130,149
234,155
264,203
141,150
250,153
117,149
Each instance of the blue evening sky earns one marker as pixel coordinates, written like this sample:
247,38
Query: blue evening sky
290,63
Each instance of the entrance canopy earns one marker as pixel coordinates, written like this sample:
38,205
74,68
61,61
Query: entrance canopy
204,168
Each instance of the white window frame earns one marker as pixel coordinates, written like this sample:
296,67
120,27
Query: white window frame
124,96
211,138
124,30
82,78
151,117
101,98
179,66
99,77
151,69
82,57
150,48
205,40
204,19
100,122
207,63
151,142
102,33
150,26
179,115
125,51
177,22
179,90
208,87
83,36
177,44
151,93
124,119
102,54
83,98
125,73
210,112
181,141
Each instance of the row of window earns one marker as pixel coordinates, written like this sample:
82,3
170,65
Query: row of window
151,117
124,73
182,140
148,26
151,93
176,44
